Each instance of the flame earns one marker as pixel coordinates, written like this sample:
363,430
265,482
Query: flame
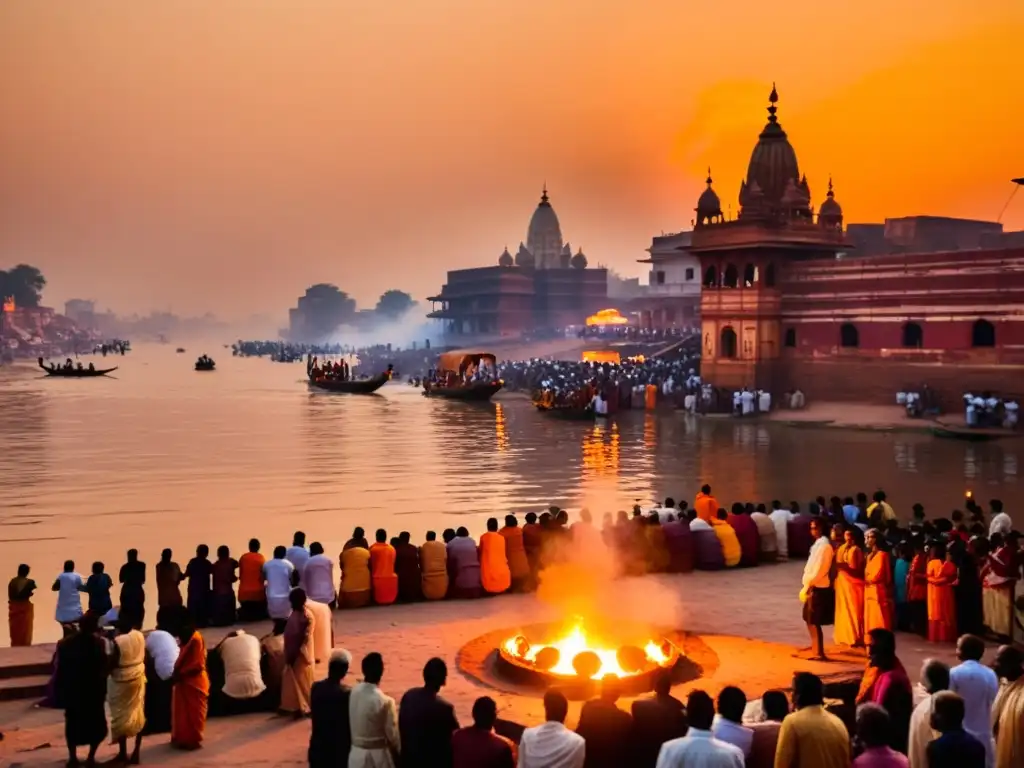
574,643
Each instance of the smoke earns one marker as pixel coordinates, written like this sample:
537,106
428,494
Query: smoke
585,579
401,332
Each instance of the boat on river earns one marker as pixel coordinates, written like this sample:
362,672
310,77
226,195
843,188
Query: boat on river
970,434
455,371
75,373
566,412
205,363
347,386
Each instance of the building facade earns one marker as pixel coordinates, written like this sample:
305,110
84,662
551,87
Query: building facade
544,286
784,305
671,298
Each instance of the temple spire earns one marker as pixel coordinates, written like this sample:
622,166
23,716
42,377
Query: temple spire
830,192
544,194
708,180
773,98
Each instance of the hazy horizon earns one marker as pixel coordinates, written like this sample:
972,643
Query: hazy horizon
224,156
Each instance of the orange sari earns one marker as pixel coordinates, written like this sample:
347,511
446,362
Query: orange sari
878,604
706,507
849,585
190,695
941,603
382,568
20,615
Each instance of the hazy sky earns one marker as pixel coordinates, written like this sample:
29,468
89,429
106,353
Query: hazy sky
225,154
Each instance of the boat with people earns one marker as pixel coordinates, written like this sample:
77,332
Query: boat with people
337,378
469,376
68,370
205,363
566,412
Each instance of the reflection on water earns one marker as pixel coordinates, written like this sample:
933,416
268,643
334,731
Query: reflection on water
161,456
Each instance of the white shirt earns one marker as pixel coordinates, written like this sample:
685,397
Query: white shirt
1001,523
780,519
164,649
278,574
921,734
699,749
551,745
733,733
241,657
819,563
977,686
69,597
318,578
297,556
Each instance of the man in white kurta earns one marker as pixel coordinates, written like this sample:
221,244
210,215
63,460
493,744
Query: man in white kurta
278,575
934,679
551,745
373,718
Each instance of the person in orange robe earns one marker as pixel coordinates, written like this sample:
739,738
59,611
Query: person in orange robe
917,589
849,586
382,569
190,694
495,574
941,603
20,612
728,539
515,551
706,505
878,599
252,595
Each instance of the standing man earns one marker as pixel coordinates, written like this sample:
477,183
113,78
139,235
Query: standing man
373,720
20,611
426,721
331,737
978,686
552,745
816,594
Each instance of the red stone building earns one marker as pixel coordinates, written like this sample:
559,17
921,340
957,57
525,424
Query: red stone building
784,305
544,287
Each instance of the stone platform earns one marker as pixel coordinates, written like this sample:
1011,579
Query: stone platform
750,618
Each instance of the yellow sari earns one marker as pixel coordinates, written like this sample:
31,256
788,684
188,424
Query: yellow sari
126,687
849,627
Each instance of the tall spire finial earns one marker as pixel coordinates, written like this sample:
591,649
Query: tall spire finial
709,177
830,192
773,97
544,193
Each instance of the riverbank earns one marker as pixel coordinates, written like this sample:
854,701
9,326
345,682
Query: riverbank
749,617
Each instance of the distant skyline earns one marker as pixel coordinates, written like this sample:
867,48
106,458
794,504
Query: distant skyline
224,156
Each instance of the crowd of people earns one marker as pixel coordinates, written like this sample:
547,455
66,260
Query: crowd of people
865,574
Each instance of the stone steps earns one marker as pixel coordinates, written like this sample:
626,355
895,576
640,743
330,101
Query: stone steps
23,687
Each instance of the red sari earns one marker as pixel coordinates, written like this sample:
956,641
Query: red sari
190,695
941,603
878,592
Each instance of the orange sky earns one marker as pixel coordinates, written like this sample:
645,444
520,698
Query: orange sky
224,155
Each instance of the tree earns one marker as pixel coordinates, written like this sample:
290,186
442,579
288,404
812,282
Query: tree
25,283
324,308
393,304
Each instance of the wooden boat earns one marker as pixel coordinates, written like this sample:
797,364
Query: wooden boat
76,373
205,365
479,392
462,365
970,434
567,412
352,386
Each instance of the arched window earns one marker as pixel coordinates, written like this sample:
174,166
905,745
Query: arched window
727,342
749,275
711,277
769,276
790,340
731,278
848,336
983,334
913,336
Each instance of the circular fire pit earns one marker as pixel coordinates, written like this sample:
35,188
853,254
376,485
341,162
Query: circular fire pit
575,660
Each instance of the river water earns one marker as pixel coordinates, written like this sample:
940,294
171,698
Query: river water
158,455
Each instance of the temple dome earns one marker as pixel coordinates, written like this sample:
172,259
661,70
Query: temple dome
579,261
709,207
505,260
773,162
831,213
544,235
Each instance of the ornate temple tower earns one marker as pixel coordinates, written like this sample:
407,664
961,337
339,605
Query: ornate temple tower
544,237
743,262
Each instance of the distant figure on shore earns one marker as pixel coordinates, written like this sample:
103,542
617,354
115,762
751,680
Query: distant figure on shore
478,746
434,564
330,738
297,554
354,562
426,721
358,539
132,578
382,566
20,611
191,694
222,609
98,587
252,595
464,562
168,581
68,586
280,576
82,687
373,720
407,566
515,553
495,575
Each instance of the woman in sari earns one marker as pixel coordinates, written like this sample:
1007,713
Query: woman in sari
191,693
878,608
297,678
20,612
998,584
941,603
849,585
81,687
126,688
